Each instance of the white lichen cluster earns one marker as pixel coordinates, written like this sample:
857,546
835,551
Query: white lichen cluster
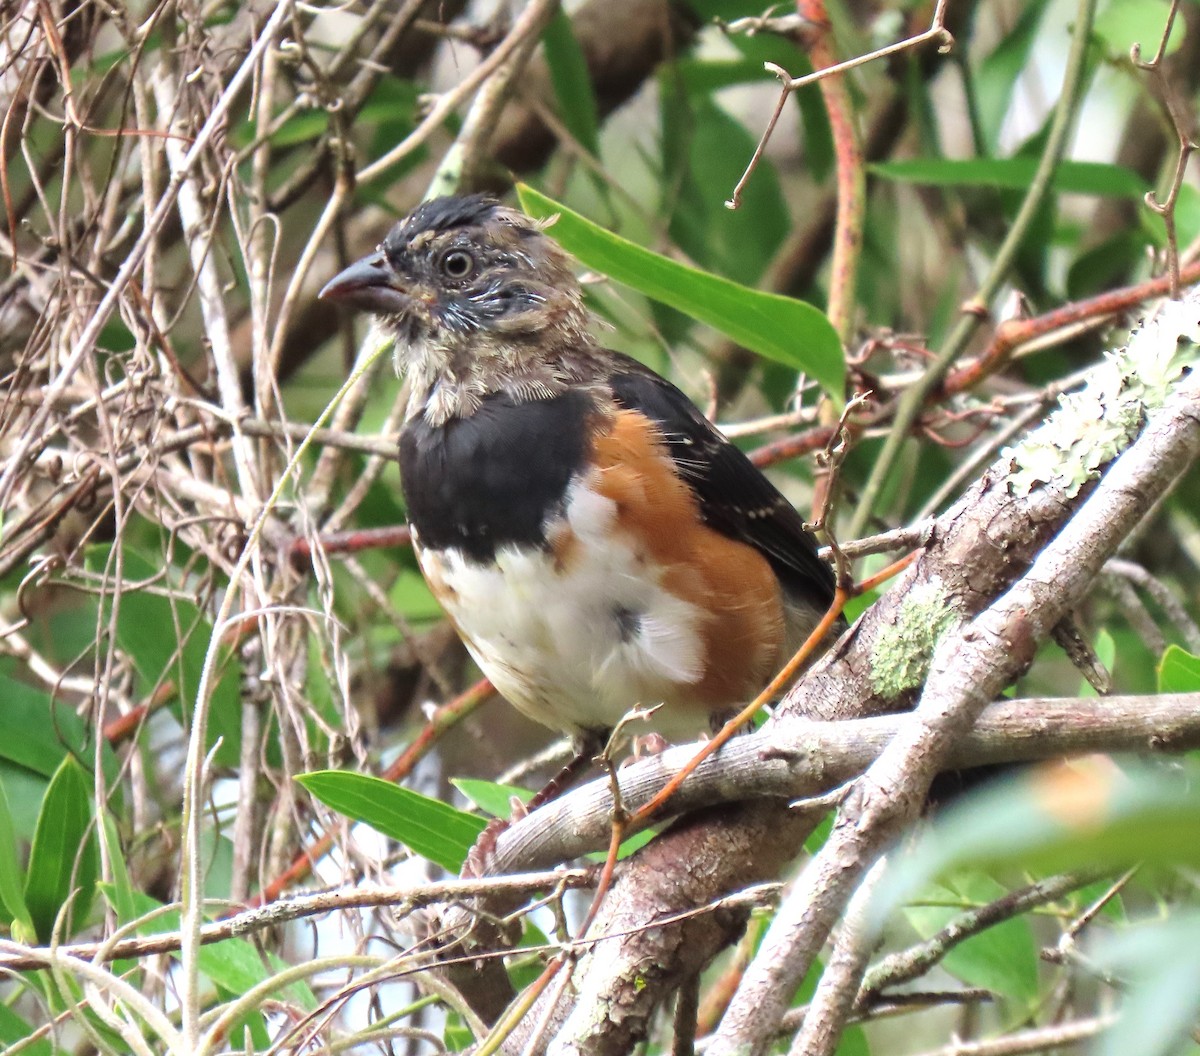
1088,430
1094,425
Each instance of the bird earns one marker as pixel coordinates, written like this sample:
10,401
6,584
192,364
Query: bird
597,543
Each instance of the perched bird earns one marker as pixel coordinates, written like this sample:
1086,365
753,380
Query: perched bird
594,539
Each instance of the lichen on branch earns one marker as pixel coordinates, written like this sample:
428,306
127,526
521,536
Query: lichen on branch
1094,425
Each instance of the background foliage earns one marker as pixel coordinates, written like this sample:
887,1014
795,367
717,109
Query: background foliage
187,627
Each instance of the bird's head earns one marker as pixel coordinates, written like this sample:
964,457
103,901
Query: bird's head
472,292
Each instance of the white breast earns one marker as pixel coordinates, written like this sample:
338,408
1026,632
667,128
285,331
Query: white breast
578,634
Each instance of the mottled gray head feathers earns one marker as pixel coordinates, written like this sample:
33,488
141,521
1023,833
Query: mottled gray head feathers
478,298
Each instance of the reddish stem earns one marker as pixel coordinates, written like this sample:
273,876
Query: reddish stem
352,542
851,182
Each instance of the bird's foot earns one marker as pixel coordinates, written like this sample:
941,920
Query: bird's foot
483,850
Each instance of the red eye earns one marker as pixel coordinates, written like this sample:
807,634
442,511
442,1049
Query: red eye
458,264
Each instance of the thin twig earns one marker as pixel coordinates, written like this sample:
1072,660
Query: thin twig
936,31
1179,121
909,964
1034,1039
15,957
86,341
1040,187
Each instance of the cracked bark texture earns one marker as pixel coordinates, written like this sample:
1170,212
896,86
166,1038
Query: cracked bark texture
602,1010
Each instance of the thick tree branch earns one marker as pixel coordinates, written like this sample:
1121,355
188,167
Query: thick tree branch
796,758
970,666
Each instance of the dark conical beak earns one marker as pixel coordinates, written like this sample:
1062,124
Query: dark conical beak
370,283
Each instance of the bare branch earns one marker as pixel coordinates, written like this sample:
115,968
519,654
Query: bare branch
970,666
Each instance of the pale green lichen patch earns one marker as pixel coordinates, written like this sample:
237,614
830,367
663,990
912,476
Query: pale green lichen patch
902,651
1094,425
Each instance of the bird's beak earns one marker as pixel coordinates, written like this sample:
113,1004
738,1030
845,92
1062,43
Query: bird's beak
370,283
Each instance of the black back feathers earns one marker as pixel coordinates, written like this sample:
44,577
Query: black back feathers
735,497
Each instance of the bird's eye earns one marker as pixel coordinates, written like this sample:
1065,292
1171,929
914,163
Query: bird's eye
458,264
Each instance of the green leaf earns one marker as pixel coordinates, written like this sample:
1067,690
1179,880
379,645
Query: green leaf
704,76
704,151
428,827
1178,671
1002,959
1108,263
412,597
1076,177
780,328
13,1029
1058,818
524,972
1159,1008
167,636
489,796
572,82
11,875
319,693
300,128
456,1036
120,894
816,838
123,892
998,73
64,858
25,791
817,136
392,100
30,732
628,846
1187,214
391,112
115,336
37,732
305,126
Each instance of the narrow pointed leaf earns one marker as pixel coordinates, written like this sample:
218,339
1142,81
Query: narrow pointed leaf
428,827
1078,177
12,899
780,328
64,858
572,82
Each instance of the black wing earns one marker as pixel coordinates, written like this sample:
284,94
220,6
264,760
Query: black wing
735,497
